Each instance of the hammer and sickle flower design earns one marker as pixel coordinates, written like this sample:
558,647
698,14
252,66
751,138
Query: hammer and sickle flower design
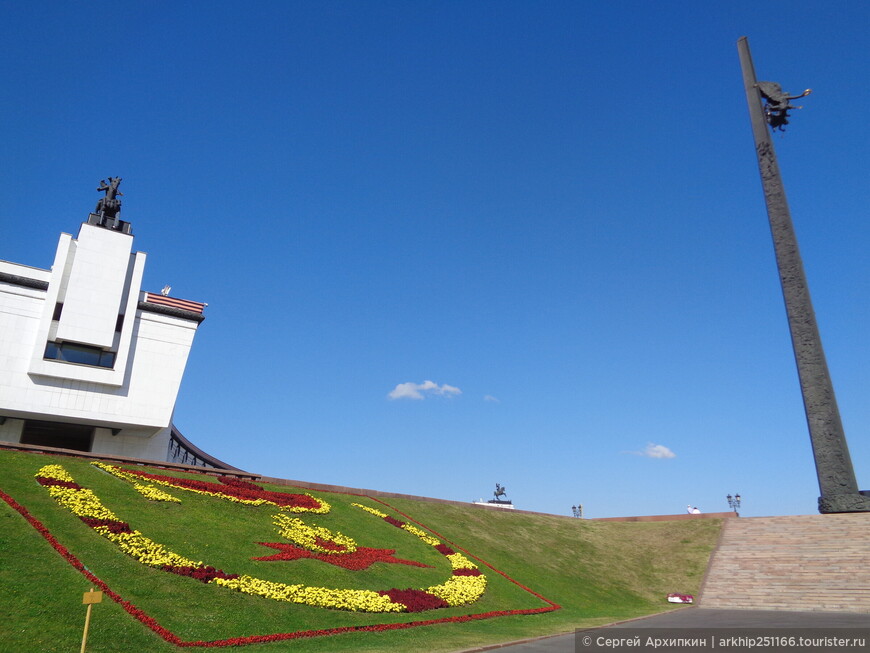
465,585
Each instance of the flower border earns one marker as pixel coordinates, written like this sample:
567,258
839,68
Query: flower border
170,637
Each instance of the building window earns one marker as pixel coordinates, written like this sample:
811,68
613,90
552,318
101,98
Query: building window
80,354
119,323
58,309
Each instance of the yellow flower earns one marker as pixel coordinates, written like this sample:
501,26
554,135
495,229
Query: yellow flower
152,493
56,472
460,590
459,561
295,530
341,599
423,535
373,511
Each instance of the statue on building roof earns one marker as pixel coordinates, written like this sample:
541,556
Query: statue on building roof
109,206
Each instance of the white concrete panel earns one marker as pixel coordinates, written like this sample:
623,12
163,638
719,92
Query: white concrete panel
63,271
152,446
95,288
131,294
25,271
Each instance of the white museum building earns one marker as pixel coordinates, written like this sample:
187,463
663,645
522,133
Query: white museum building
88,360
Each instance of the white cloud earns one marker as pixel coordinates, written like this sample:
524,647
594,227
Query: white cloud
654,451
491,398
658,451
416,390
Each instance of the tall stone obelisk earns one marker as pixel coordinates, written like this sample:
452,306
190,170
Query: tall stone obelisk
837,484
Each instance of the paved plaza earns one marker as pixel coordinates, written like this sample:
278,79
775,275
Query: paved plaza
701,618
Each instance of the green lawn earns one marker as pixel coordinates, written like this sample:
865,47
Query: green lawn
596,571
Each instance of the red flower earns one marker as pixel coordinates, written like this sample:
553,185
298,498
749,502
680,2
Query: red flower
204,573
114,525
362,558
237,490
328,544
237,482
42,480
416,600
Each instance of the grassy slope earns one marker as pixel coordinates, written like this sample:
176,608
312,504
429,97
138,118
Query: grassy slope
597,571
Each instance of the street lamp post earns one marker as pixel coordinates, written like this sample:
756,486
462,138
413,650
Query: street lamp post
734,502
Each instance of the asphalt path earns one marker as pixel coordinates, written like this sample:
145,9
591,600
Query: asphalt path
697,617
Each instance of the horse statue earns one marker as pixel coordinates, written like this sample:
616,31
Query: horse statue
109,206
499,491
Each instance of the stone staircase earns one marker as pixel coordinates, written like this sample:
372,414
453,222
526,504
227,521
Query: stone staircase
807,562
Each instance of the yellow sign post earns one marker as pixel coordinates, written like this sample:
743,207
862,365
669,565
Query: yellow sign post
89,599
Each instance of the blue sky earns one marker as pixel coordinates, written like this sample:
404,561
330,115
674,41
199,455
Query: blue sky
550,211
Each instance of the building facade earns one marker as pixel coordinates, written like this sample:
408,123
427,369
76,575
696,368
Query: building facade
88,360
